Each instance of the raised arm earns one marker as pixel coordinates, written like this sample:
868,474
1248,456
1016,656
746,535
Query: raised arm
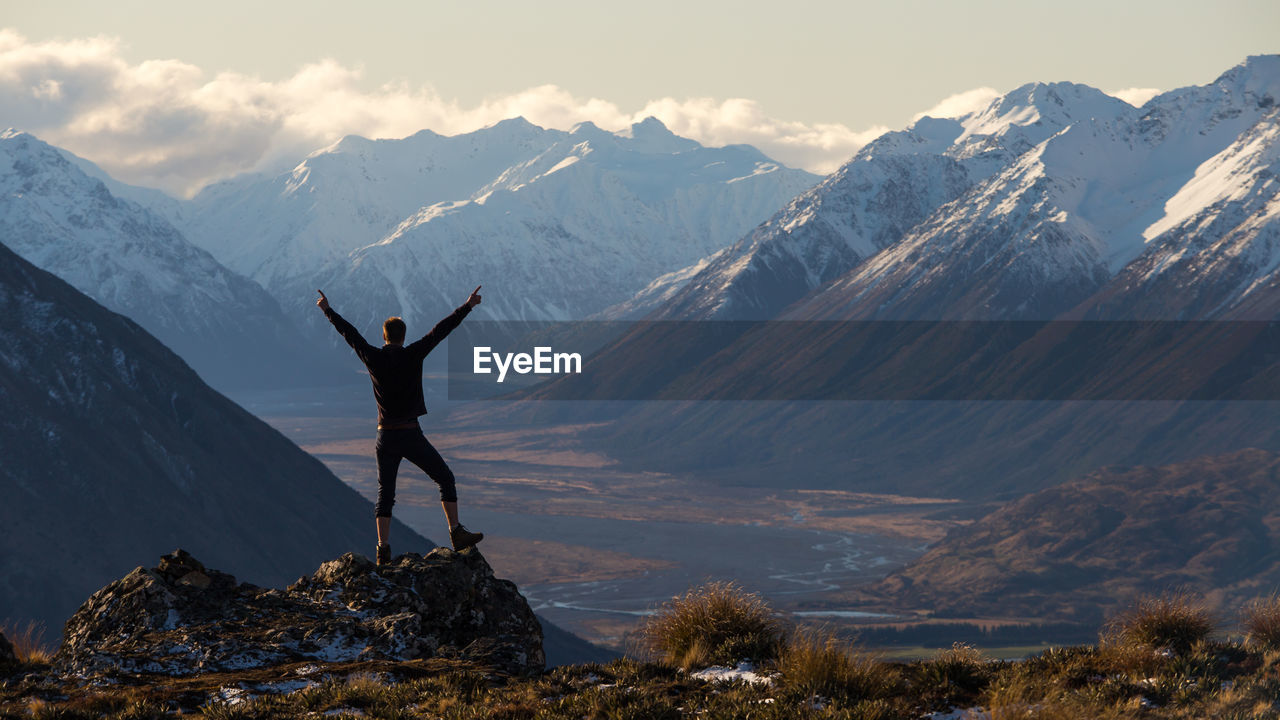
345,329
442,329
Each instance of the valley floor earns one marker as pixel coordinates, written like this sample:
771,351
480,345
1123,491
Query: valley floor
596,547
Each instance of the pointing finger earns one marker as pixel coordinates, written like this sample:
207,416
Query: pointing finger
473,292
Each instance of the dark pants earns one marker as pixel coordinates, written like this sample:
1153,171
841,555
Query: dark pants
411,445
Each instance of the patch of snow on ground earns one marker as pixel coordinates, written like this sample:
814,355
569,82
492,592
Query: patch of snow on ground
746,672
959,714
232,695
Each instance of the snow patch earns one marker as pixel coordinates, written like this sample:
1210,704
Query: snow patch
744,672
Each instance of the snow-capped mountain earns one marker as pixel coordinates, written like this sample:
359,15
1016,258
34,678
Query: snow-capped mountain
1176,192
1168,211
276,228
1025,209
890,186
1214,249
555,224
862,208
136,263
657,293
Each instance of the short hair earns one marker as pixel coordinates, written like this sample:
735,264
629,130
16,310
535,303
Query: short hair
393,330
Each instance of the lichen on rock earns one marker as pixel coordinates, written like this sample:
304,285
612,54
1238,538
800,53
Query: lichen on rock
181,618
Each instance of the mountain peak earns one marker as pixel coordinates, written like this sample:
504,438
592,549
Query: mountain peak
652,136
1049,107
1056,98
425,134
650,126
586,127
25,155
1258,75
515,123
346,144
21,138
511,127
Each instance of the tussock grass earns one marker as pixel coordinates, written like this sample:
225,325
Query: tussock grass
816,662
29,645
1260,621
1173,621
953,677
717,623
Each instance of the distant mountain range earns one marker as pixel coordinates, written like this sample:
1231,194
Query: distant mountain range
1053,196
135,262
557,225
1055,201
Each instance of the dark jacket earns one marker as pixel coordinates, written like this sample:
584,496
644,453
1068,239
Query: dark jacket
396,371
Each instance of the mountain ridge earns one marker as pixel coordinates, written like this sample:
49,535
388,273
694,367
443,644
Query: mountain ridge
560,224
131,259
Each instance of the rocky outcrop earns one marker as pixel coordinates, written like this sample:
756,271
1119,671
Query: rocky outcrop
181,618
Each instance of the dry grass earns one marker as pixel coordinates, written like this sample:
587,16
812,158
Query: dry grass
816,662
821,677
954,677
715,624
1173,621
1023,700
1260,621
29,645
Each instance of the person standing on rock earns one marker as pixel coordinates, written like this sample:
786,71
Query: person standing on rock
396,372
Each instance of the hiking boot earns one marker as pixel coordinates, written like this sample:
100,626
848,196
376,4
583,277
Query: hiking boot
463,538
383,554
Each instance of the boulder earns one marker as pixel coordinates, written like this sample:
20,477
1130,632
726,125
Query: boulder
181,618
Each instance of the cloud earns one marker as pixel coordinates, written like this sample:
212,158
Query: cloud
961,103
1136,97
170,124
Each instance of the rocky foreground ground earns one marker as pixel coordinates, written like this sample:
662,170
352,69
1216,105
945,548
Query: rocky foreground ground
438,636
180,618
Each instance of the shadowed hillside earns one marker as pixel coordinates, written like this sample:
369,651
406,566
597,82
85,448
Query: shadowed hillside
114,449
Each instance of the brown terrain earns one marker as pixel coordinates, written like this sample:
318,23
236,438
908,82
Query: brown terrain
546,472
1078,551
1074,553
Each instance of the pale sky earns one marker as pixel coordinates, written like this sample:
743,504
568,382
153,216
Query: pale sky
807,81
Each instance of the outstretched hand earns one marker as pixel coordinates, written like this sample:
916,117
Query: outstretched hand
474,298
323,302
